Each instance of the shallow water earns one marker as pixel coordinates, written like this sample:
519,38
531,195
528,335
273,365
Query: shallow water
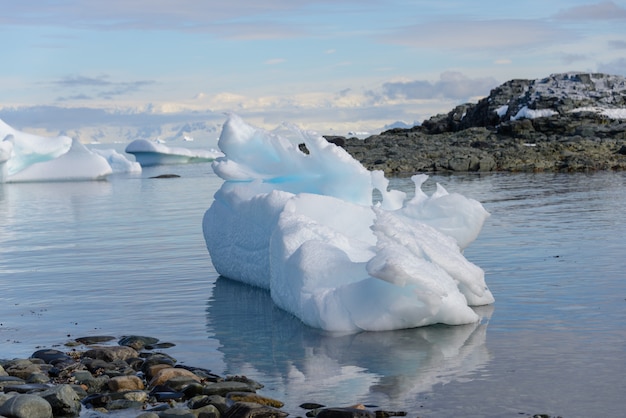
127,256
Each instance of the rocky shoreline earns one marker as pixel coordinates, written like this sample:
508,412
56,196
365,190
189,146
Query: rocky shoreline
572,122
136,378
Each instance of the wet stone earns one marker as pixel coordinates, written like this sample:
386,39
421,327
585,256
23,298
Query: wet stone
50,356
63,400
253,397
163,393
38,378
10,380
118,404
177,413
223,388
159,346
125,383
164,375
249,410
137,342
23,406
111,353
26,388
345,413
96,339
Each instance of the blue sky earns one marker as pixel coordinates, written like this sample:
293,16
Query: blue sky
336,64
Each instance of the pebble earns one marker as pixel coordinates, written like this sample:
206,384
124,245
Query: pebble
129,377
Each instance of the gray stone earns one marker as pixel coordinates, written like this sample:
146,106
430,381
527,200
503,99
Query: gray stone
345,413
177,413
249,410
223,388
63,400
26,406
111,354
207,411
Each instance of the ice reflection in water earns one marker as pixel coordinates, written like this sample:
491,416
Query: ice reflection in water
387,368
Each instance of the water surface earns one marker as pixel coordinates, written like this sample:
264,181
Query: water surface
127,256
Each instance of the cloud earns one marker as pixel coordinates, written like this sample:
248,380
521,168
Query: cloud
477,34
617,44
101,86
606,10
233,19
451,85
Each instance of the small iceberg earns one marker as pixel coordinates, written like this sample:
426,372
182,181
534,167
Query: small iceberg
306,228
26,157
149,153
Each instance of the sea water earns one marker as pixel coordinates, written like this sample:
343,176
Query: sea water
127,256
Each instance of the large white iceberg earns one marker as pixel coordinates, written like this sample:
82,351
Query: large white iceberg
149,153
26,157
304,226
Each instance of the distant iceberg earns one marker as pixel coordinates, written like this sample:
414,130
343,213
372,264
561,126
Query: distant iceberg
304,227
26,157
148,153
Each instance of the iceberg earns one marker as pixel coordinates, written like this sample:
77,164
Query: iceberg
149,153
118,162
26,157
301,222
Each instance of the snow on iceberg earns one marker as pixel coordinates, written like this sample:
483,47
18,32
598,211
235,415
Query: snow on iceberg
26,157
118,162
148,153
304,226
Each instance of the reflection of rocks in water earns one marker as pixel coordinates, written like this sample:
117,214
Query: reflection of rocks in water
370,366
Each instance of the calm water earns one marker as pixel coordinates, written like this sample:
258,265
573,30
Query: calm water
127,256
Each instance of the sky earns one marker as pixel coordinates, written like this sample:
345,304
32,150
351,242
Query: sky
325,65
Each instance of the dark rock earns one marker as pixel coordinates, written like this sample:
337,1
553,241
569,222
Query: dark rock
9,381
63,399
165,393
177,413
137,342
249,410
345,413
311,405
26,388
111,353
223,388
118,404
255,398
97,339
50,356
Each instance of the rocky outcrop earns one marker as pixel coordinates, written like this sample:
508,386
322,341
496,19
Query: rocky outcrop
565,122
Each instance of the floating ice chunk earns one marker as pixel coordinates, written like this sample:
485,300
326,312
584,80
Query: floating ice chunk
26,157
77,164
149,153
303,226
118,162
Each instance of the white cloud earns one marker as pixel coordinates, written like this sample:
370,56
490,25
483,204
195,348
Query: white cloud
451,85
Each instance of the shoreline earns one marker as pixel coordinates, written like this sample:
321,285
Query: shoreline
137,378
